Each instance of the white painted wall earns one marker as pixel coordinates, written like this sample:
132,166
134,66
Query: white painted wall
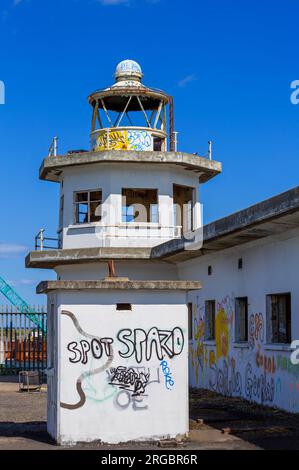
108,412
270,266
111,179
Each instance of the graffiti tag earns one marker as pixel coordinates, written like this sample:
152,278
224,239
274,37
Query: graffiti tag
169,382
127,378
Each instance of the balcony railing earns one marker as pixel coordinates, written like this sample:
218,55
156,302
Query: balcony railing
114,146
53,148
46,243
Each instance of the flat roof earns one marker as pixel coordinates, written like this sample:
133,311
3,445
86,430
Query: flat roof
52,167
268,217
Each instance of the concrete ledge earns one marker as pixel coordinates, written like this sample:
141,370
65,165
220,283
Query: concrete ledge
50,258
114,284
52,167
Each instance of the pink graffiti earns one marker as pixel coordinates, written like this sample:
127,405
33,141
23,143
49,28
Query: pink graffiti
256,329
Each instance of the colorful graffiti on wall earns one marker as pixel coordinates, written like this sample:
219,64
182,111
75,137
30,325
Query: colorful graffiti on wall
129,381
222,333
253,370
138,140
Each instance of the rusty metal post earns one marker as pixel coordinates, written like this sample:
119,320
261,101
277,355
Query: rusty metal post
111,267
171,125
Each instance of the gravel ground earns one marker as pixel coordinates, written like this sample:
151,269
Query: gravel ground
215,423
265,427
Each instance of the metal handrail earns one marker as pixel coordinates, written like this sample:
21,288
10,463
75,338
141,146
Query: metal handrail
53,148
40,239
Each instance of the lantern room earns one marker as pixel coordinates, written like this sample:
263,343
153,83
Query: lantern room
130,116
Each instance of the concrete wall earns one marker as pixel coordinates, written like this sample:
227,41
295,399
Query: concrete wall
112,232
130,387
134,270
257,371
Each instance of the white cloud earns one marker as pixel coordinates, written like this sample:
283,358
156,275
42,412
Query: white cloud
186,80
11,250
21,282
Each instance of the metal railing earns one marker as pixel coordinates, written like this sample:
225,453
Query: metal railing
41,242
23,344
53,148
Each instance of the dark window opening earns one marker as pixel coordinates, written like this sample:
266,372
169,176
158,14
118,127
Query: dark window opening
210,310
157,144
241,319
240,263
210,270
183,202
140,205
279,318
123,306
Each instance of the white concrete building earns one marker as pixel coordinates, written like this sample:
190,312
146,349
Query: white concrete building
245,316
118,344
118,356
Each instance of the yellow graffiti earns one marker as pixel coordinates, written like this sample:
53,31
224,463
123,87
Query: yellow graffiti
116,140
197,352
222,334
212,359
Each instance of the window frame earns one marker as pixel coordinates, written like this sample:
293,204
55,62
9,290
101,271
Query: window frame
212,334
76,204
238,338
183,222
288,319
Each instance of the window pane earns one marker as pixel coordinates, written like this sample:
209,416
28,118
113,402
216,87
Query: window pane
128,213
280,317
154,213
95,212
241,319
81,197
210,319
96,196
82,213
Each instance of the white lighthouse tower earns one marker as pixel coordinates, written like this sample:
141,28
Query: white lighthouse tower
118,338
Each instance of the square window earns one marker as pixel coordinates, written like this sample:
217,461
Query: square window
279,318
88,206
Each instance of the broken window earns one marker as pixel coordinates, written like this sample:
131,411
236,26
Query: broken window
210,320
183,200
88,206
279,318
140,205
241,319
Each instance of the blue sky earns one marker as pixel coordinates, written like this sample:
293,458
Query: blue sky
228,63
